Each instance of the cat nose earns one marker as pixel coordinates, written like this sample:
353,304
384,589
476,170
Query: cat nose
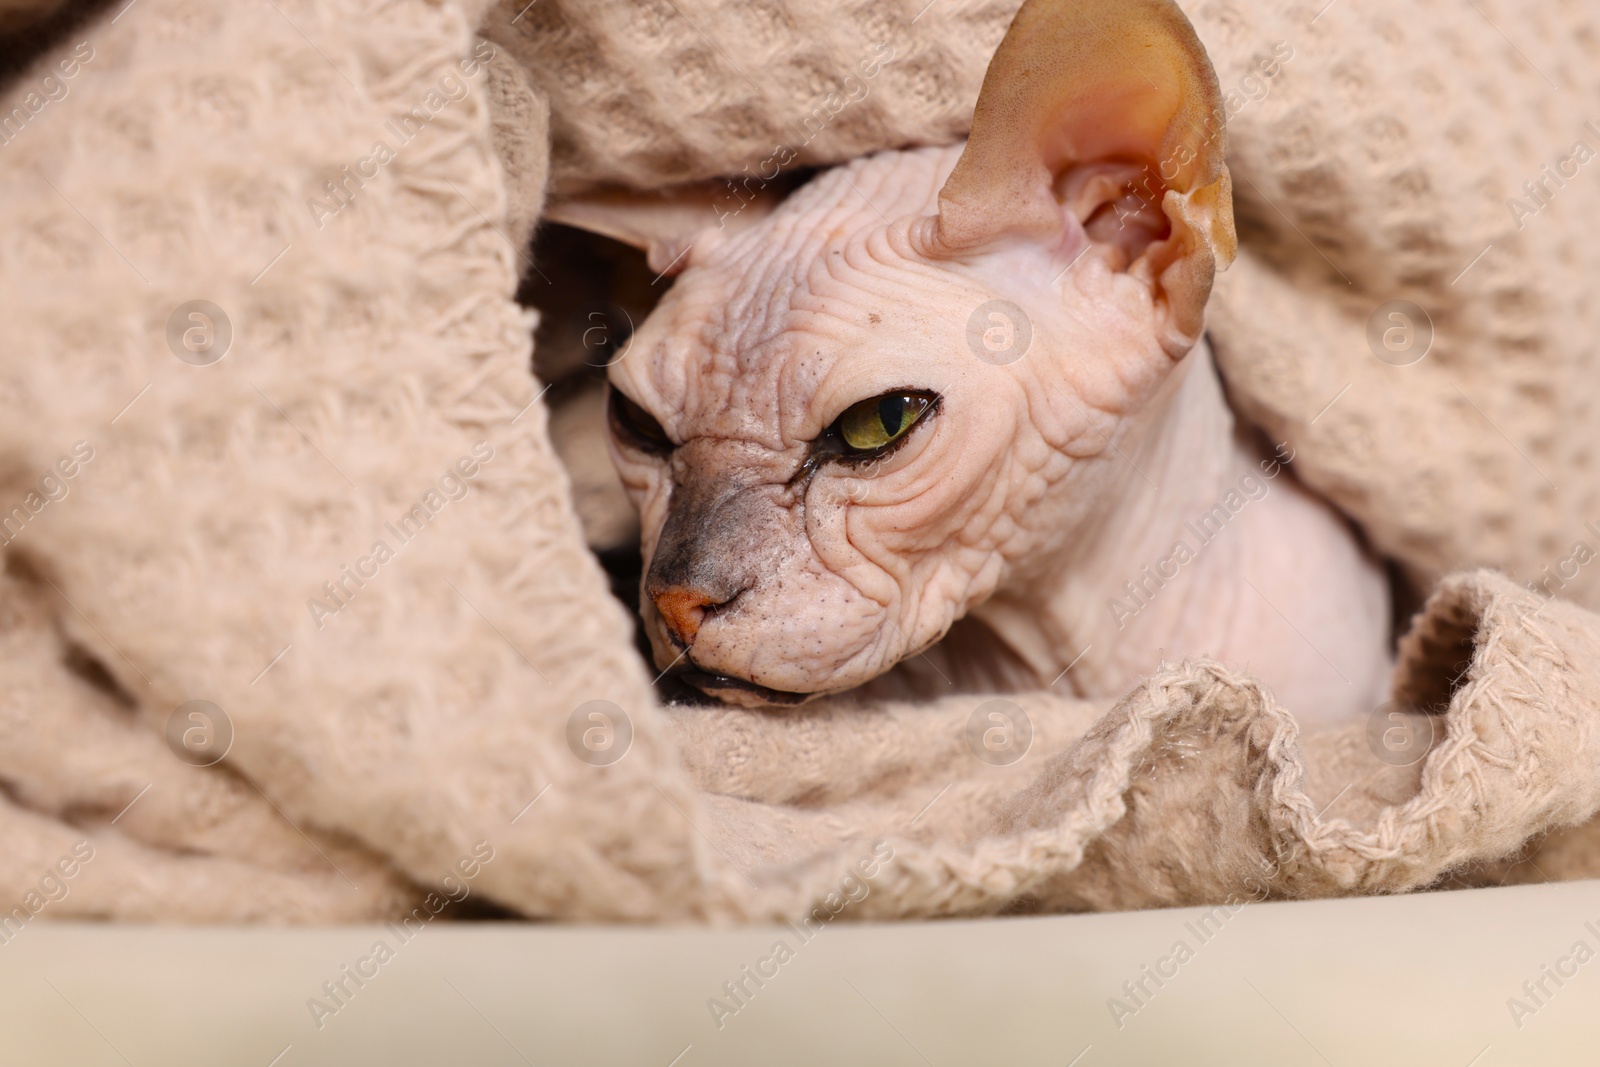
709,545
683,610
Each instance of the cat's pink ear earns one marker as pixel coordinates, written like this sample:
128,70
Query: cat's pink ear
1085,102
666,225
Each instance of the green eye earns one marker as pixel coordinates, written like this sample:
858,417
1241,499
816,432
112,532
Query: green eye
881,421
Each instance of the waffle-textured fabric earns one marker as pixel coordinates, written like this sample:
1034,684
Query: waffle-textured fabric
395,711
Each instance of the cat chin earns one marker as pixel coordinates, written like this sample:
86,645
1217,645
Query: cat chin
740,691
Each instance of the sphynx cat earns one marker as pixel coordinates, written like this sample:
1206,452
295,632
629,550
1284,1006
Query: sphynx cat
963,394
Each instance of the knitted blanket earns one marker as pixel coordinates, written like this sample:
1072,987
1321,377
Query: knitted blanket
298,622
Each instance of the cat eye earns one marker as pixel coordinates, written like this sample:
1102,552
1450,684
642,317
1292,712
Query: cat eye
634,425
875,424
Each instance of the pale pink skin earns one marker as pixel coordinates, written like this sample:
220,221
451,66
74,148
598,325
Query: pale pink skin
1036,490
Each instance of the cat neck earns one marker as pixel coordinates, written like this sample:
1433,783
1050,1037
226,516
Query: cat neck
1211,547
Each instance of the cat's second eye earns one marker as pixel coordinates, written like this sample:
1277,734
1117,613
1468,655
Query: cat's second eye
633,425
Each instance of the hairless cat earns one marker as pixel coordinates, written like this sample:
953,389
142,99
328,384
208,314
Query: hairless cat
961,397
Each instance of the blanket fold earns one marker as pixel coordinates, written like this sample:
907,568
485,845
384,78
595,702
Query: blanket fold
1198,785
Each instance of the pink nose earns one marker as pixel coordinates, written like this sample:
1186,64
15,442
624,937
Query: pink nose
682,610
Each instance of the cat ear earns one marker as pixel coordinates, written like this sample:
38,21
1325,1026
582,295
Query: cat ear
1108,110
667,224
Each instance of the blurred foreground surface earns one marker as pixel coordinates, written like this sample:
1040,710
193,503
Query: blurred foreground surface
1426,979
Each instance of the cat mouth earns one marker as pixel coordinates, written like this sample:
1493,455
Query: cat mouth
713,684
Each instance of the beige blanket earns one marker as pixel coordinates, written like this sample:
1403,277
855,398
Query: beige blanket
310,631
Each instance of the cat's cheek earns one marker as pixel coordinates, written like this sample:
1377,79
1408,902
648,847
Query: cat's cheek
650,493
641,476
642,485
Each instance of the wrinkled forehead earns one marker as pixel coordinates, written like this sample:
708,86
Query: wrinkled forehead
759,319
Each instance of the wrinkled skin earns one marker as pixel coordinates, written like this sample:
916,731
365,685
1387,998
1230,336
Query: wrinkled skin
1027,498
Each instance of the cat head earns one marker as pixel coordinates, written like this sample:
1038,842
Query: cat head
865,407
